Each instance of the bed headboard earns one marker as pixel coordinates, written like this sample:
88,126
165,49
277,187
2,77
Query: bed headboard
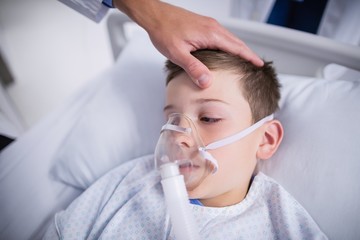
292,51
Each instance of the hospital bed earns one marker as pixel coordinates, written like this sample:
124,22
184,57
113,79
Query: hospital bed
117,116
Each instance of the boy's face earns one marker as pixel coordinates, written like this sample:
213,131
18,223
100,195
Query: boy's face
218,112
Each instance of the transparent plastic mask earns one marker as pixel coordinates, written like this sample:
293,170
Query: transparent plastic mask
180,143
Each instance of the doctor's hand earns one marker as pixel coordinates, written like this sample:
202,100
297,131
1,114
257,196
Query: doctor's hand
176,32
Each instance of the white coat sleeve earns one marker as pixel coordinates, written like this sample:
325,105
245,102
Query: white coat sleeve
93,9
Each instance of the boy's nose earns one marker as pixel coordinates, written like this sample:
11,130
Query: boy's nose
182,121
184,140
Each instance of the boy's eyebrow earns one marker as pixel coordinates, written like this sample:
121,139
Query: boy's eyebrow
198,101
204,100
167,107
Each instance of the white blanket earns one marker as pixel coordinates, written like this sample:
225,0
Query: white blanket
128,203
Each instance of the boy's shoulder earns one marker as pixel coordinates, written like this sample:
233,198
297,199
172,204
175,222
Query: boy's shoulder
266,183
286,214
273,194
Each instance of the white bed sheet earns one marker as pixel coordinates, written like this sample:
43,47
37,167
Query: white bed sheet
29,195
11,124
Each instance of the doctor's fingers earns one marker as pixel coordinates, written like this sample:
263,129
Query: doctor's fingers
224,40
197,71
208,35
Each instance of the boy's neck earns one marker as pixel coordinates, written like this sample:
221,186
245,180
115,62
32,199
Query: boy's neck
228,198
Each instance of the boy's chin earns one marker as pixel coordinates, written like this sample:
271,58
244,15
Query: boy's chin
195,193
200,190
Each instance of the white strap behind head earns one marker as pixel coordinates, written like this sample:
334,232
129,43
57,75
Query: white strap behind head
221,142
240,135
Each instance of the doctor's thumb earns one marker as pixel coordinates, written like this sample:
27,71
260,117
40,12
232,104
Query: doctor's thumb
198,72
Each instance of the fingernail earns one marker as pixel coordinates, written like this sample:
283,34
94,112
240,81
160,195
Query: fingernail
203,80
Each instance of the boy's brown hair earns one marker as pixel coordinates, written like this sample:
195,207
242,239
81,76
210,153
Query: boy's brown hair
259,85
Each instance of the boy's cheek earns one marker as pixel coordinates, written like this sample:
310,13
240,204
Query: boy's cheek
236,159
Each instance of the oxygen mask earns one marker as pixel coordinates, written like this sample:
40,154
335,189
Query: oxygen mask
180,144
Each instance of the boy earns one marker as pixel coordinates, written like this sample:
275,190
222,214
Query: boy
236,202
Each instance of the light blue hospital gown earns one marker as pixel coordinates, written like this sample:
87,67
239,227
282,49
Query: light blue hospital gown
128,203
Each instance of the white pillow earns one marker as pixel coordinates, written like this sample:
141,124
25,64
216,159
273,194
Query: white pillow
318,161
122,120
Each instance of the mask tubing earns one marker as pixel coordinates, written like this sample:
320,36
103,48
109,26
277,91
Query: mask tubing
177,203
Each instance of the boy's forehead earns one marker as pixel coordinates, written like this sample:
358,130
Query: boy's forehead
225,87
221,79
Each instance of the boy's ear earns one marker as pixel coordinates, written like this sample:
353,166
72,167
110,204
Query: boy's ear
271,140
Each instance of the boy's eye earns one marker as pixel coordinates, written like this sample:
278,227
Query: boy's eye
209,120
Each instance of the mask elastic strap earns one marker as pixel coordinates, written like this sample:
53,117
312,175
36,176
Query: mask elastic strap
206,155
240,135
